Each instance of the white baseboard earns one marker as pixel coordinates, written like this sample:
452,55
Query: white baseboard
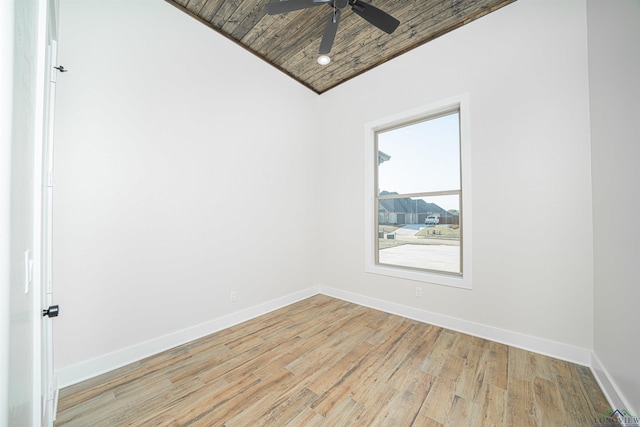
570,353
610,389
91,368
108,362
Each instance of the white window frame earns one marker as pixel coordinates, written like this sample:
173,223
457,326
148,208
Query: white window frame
460,103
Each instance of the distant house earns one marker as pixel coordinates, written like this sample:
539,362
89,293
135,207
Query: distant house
382,157
411,211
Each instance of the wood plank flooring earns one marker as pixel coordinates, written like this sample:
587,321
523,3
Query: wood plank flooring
326,362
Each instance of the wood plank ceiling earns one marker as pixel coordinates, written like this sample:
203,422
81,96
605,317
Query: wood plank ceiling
290,41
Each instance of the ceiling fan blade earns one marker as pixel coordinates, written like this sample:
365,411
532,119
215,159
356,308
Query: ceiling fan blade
375,16
330,32
291,5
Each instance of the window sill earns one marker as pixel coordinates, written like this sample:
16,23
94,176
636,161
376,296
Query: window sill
427,277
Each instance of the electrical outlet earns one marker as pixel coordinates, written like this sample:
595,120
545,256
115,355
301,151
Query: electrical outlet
233,296
418,291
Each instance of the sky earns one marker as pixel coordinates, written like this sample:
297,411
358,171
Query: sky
425,157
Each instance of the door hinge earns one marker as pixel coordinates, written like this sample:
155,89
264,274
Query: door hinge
52,311
54,75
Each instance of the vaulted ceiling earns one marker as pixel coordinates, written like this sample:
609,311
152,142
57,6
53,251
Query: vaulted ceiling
290,41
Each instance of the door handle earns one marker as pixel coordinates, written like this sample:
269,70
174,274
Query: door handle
52,311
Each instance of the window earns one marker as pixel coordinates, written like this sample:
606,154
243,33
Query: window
418,201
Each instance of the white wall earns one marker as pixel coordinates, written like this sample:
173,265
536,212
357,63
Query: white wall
183,170
525,69
614,67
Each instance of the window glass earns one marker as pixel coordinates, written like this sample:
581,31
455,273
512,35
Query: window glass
421,157
418,195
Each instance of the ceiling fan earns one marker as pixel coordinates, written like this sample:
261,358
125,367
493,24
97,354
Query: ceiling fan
371,14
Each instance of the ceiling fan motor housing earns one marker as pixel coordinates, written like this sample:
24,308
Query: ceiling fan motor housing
366,11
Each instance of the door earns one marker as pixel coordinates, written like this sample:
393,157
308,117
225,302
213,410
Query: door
48,392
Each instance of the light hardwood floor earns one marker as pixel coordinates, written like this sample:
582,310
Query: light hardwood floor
323,361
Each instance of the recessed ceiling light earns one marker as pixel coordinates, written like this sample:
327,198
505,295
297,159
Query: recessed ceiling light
323,60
